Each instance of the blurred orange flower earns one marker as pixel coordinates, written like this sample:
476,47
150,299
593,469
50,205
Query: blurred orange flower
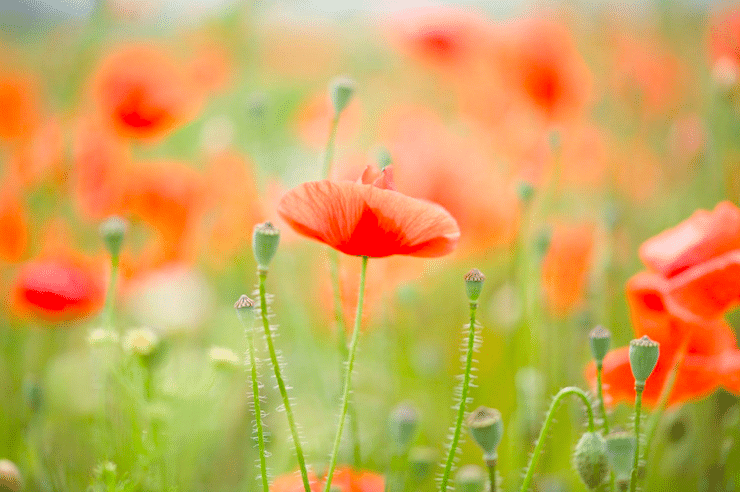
724,36
40,156
681,304
566,266
13,224
547,70
363,219
143,92
345,479
19,106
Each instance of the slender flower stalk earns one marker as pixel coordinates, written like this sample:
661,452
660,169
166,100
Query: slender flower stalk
473,280
329,153
639,387
262,273
347,376
243,305
110,295
570,390
491,465
112,231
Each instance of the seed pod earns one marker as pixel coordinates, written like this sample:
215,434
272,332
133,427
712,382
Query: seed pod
487,428
590,460
341,89
113,231
600,339
643,357
620,447
474,283
403,421
265,240
470,478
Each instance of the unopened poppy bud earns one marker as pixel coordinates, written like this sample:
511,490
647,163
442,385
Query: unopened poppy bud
224,358
590,460
487,428
113,231
474,283
421,462
403,421
470,478
620,450
244,308
10,477
643,357
383,157
600,339
341,89
525,191
140,341
265,240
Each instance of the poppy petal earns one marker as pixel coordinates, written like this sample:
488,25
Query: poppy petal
711,288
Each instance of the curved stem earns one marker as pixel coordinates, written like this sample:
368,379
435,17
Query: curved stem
463,398
570,390
110,295
257,410
329,154
636,462
347,376
279,378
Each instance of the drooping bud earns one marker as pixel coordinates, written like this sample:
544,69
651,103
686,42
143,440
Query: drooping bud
590,459
421,462
113,231
470,478
402,422
487,428
643,357
620,448
474,283
341,89
10,477
224,358
244,308
525,191
265,240
600,339
140,341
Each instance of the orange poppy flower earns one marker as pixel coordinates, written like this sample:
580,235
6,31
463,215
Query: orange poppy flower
681,304
19,107
13,225
566,265
143,92
547,70
365,219
58,288
345,479
440,37
724,36
41,155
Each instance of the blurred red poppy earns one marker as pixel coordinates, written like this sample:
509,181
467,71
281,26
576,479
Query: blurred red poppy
681,304
545,67
345,479
363,219
143,92
58,288
13,224
19,107
724,36
566,266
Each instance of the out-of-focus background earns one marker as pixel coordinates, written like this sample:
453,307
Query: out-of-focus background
192,119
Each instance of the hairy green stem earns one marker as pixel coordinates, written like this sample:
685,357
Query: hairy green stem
602,409
570,390
279,378
347,377
248,333
639,387
463,398
110,295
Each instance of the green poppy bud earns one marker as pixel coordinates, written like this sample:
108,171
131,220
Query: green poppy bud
265,240
643,357
620,448
487,428
244,308
525,191
590,459
474,283
341,89
383,157
421,463
403,421
470,478
600,339
113,231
